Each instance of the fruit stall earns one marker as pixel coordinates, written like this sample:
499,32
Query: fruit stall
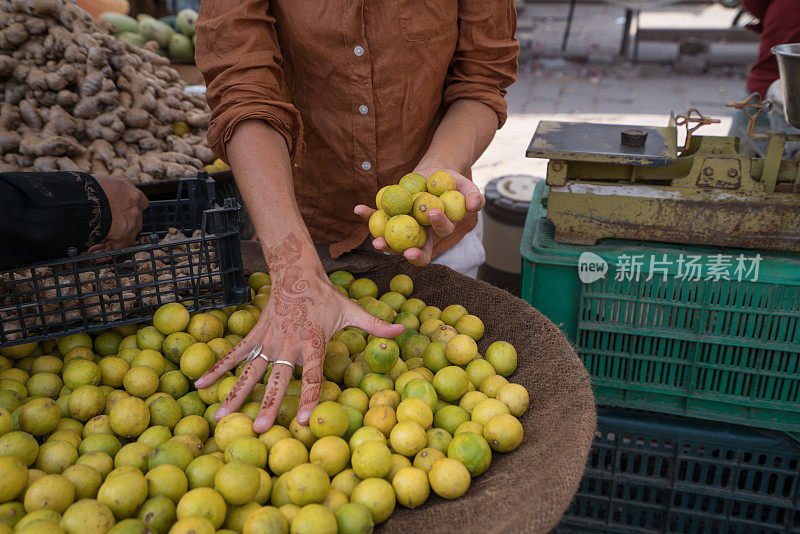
480,404
102,430
646,380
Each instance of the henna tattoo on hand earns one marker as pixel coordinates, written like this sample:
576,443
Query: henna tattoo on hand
292,307
273,394
240,383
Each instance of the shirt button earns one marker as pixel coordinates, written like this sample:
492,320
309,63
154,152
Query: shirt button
359,51
363,109
366,165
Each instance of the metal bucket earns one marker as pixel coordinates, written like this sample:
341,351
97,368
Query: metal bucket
789,67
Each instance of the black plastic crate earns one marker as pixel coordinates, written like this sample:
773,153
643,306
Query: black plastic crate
657,473
189,251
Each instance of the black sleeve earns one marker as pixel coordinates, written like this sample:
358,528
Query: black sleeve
43,214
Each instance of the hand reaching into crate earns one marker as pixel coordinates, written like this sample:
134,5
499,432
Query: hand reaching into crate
47,213
126,202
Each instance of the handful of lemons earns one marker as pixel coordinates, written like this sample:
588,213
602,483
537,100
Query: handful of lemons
403,208
105,433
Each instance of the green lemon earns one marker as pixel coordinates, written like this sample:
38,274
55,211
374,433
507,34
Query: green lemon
423,203
371,459
287,454
331,453
124,493
15,478
441,181
471,326
414,347
449,417
39,416
247,449
378,496
381,354
515,397
314,519
129,417
307,484
175,344
486,409
266,519
196,360
362,287
394,300
202,502
167,480
420,389
471,450
455,205
377,223
503,432
478,370
449,478
329,419
427,457
411,486
407,438
471,399
414,182
402,232
201,471
341,278
503,357
159,514
451,383
396,200
354,518
238,482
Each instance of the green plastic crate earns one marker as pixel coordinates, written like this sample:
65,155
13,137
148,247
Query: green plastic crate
650,472
727,350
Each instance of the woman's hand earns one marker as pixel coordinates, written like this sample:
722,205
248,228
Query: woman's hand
303,311
440,226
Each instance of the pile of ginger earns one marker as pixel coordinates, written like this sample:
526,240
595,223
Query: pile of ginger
75,98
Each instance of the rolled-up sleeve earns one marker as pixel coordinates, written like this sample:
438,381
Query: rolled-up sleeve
237,52
485,59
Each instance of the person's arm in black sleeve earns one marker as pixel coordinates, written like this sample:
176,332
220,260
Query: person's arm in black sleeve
44,214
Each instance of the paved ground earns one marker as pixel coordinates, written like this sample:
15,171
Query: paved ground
600,87
597,31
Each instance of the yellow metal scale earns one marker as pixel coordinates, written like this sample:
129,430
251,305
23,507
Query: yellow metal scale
633,182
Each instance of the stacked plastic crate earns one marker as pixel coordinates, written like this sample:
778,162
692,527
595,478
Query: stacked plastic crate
694,355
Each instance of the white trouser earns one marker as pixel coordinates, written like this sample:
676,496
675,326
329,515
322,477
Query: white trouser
468,254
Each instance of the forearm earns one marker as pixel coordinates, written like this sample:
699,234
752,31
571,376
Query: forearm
260,162
46,213
463,135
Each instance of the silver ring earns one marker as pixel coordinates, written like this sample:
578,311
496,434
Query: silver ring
290,364
256,353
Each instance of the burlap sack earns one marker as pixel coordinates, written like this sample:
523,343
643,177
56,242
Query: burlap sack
529,489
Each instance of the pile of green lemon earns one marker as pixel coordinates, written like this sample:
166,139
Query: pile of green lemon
403,208
106,433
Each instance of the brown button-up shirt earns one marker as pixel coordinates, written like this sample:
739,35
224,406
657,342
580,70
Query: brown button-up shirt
357,87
